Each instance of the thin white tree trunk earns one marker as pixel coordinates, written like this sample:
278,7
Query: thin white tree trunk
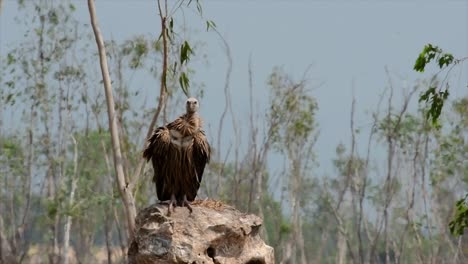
125,193
287,253
341,247
5,249
301,244
67,227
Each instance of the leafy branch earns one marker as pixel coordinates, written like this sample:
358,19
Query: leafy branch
460,221
185,53
430,53
437,97
434,95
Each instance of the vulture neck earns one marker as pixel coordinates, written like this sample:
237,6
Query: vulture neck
193,122
192,117
191,114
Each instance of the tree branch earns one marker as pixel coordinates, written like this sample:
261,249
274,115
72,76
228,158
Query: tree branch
126,194
162,95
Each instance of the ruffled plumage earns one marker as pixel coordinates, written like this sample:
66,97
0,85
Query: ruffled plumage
179,153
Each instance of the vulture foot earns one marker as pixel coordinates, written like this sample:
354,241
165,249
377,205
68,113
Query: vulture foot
172,203
187,204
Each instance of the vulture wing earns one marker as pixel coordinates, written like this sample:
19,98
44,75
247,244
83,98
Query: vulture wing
200,156
156,150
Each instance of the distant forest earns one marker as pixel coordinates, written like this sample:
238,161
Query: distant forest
61,200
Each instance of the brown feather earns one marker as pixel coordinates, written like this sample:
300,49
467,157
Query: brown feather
179,153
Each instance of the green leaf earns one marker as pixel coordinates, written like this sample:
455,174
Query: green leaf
141,48
436,99
9,97
174,68
38,31
53,17
184,82
185,52
285,228
52,209
445,60
10,59
10,84
420,63
425,96
460,220
429,53
210,24
199,8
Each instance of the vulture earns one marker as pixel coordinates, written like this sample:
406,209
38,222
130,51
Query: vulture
179,152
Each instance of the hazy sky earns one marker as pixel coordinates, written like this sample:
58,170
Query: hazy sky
342,41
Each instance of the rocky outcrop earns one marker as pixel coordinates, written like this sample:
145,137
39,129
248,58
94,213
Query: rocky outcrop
212,233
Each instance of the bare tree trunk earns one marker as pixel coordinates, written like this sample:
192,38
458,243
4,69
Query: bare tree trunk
108,234
295,217
253,127
108,219
458,256
67,227
114,209
288,251
323,240
341,248
343,233
299,240
50,178
258,163
357,184
227,107
23,244
119,233
3,243
125,193
301,244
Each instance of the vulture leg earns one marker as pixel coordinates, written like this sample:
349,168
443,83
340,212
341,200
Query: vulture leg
172,203
187,204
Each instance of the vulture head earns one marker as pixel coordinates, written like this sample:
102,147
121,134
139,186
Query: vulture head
192,105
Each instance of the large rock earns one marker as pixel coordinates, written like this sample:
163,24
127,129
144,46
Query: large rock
212,233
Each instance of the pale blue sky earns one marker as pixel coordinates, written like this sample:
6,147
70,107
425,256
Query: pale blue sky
342,41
